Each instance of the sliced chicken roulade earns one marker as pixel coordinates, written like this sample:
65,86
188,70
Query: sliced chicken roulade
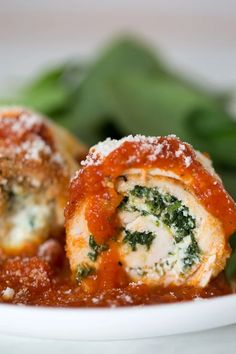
150,208
37,159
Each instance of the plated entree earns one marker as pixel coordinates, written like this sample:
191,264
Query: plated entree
147,219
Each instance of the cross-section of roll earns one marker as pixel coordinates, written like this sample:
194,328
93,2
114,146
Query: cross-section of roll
151,208
37,159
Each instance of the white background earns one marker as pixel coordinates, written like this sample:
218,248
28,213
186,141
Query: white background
198,36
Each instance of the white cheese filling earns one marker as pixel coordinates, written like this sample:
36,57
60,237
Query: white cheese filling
28,219
165,259
165,255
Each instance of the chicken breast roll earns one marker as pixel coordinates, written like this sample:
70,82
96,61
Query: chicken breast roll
37,160
151,209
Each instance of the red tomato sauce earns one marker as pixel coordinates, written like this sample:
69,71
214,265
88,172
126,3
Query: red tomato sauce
36,281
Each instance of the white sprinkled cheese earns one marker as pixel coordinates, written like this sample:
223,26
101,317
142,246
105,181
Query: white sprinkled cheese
8,294
26,122
187,161
25,125
98,152
109,145
149,144
34,149
180,151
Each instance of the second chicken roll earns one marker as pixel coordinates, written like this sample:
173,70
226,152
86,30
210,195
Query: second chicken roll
37,160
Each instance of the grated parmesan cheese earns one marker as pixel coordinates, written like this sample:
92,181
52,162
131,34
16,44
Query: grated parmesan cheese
187,161
149,144
34,149
24,124
109,145
8,294
180,151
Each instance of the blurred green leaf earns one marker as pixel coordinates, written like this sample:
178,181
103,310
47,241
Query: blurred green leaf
214,131
152,105
51,93
46,92
233,241
129,68
229,179
93,104
230,270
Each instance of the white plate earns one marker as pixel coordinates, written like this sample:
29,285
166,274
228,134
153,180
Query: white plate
117,323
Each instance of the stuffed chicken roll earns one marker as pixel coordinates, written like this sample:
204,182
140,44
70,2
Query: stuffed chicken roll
151,210
37,160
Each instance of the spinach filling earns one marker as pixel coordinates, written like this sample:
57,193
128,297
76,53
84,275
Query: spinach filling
96,249
83,271
142,238
166,209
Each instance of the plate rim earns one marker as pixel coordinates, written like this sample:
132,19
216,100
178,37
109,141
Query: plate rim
100,323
